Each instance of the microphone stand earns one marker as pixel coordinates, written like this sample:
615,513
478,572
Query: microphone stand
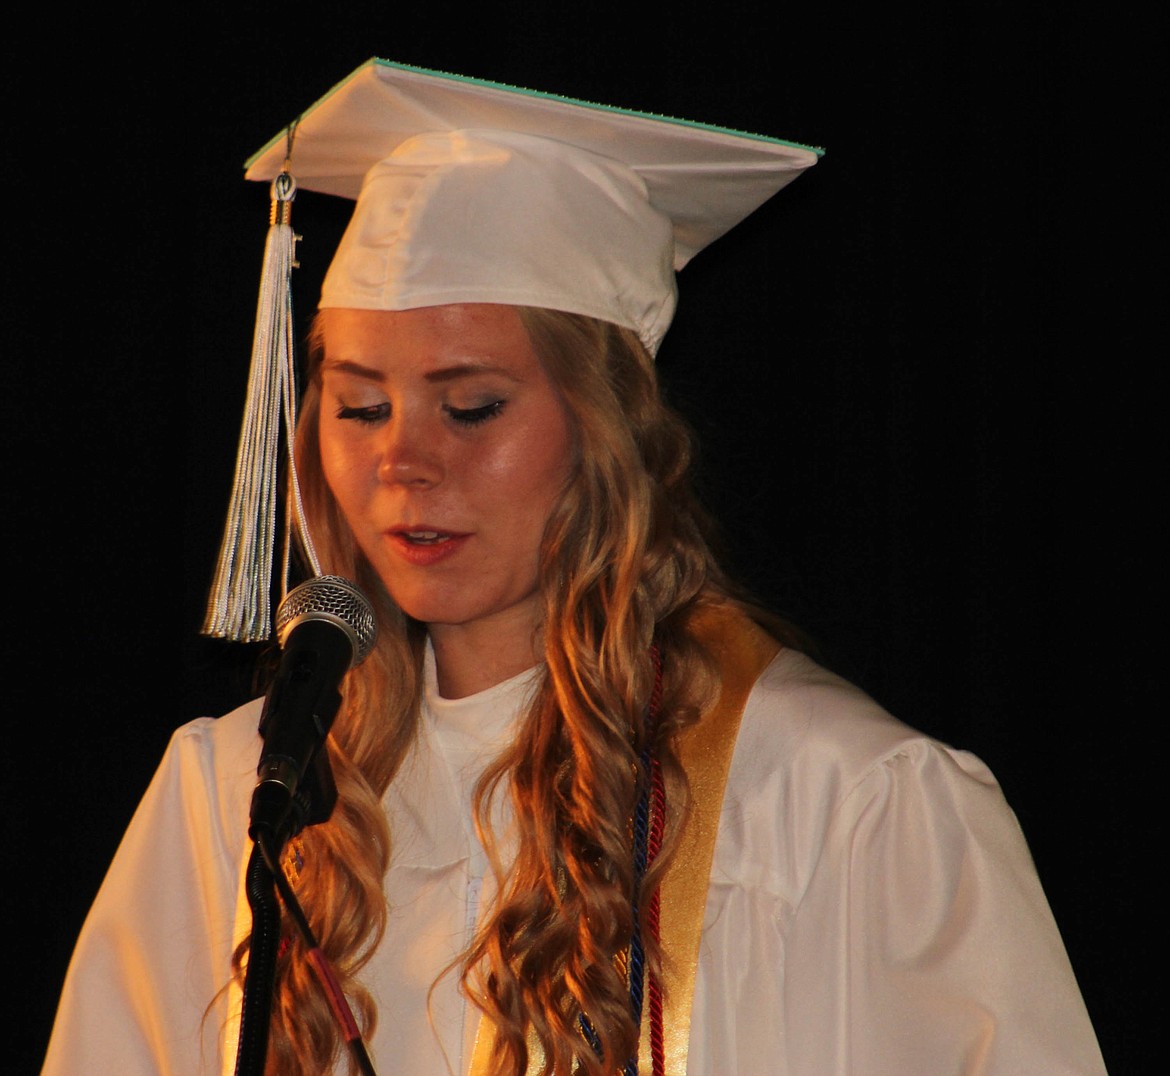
259,976
313,803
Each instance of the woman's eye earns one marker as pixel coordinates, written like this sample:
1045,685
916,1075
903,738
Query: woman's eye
473,416
372,413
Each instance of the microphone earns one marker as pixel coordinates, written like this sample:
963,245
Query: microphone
325,627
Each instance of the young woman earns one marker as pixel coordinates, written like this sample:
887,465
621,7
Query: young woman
595,813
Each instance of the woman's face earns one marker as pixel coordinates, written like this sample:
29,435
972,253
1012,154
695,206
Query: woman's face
445,445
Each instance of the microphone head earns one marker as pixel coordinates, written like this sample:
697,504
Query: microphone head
336,600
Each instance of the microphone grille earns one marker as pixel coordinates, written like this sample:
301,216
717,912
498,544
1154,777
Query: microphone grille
332,598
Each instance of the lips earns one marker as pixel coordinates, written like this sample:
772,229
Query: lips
424,546
425,537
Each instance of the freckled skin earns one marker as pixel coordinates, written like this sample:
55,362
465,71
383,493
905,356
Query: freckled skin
443,419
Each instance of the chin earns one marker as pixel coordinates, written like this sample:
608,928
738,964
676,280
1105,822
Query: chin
461,609
434,609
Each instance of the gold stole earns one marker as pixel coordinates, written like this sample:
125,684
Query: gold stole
741,652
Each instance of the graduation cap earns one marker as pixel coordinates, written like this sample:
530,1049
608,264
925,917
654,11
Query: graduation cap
473,191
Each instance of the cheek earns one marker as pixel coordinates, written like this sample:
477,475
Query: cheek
558,459
535,466
343,469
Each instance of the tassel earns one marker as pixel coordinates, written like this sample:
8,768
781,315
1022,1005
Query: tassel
239,607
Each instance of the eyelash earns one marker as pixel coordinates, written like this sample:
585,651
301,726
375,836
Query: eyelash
474,416
367,416
464,416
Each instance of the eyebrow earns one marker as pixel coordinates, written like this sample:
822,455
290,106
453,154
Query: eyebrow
440,376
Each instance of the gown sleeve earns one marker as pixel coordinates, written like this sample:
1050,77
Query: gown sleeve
144,993
923,942
873,908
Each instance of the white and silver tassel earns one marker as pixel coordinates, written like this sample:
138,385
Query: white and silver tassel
239,607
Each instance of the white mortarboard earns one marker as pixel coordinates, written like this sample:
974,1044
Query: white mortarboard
473,191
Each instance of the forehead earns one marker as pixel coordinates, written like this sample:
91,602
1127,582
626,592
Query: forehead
436,344
429,339
472,328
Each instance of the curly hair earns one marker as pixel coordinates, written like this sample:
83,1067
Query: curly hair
625,559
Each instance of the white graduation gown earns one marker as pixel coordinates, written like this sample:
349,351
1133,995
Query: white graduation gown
872,909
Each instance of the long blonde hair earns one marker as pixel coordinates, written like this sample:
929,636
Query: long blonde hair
625,558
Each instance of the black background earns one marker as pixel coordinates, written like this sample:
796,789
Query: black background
919,376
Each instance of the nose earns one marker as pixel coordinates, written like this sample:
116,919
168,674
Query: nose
410,454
